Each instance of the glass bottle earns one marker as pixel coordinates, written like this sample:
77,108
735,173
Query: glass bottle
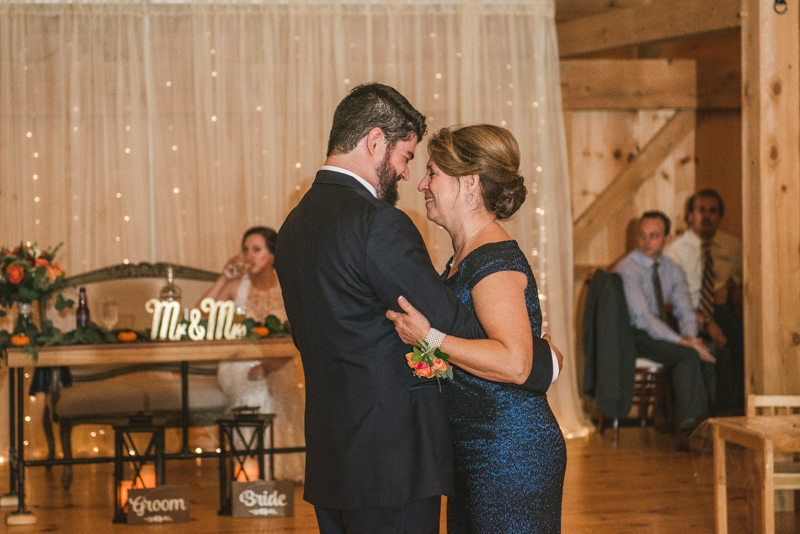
82,312
170,292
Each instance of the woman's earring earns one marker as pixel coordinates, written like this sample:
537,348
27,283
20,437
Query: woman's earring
470,198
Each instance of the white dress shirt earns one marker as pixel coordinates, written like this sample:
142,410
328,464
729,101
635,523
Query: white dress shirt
726,251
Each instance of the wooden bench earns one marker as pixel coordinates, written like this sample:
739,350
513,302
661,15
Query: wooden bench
109,394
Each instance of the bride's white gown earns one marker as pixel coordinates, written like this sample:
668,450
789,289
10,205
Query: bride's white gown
281,393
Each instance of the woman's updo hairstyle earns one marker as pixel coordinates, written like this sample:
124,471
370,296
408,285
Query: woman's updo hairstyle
490,152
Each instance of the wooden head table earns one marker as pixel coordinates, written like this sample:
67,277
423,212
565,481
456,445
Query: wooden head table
155,352
133,353
765,435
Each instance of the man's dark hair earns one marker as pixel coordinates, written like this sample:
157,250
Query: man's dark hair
657,215
712,193
269,235
374,105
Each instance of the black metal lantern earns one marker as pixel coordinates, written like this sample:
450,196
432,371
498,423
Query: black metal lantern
241,438
126,452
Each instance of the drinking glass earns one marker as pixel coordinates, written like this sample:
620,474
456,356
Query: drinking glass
110,314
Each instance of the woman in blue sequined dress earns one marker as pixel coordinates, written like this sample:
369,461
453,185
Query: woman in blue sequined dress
510,456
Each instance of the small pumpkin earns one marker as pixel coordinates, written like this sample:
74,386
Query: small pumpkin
20,340
262,331
126,337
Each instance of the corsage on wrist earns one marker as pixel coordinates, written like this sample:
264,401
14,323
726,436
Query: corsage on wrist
430,362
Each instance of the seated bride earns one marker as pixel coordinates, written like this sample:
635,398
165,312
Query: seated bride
249,279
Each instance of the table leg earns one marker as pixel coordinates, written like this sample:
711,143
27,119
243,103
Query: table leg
720,483
272,450
766,501
11,498
21,516
185,406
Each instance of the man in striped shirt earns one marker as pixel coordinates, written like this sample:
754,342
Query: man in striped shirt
712,260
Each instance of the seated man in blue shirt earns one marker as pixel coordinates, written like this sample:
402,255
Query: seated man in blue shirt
651,281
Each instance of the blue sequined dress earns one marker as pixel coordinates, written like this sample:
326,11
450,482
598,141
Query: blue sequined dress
510,456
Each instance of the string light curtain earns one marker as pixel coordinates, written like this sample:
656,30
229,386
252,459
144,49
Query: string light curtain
146,131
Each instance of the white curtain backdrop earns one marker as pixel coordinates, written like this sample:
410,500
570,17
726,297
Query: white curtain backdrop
143,131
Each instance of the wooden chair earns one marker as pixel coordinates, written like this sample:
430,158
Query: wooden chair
651,391
787,469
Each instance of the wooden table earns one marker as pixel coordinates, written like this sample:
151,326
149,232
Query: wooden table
155,352
133,353
765,435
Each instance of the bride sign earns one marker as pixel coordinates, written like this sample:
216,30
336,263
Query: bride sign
167,324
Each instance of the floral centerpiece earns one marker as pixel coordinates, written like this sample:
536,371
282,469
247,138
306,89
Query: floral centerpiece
29,274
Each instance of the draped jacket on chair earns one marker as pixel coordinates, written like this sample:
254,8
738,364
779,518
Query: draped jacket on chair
608,344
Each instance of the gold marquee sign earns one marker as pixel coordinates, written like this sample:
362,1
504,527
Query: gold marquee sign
221,324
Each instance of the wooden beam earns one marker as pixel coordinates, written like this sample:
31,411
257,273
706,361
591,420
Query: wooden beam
573,9
589,223
656,21
771,197
629,83
650,83
719,84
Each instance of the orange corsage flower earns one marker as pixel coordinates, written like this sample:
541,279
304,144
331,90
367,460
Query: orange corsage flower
429,362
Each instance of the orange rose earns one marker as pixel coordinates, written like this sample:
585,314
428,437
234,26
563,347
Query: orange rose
423,371
41,262
51,274
411,363
57,269
439,365
15,274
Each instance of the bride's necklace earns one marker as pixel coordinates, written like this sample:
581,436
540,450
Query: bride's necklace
461,246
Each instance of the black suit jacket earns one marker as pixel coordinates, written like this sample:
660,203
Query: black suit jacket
608,344
375,434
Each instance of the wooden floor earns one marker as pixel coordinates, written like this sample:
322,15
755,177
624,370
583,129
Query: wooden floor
644,486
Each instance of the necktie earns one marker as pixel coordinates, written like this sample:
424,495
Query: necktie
707,288
662,310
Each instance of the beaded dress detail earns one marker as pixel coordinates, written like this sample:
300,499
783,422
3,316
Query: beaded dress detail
510,455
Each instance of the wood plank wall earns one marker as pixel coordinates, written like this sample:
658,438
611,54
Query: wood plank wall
601,141
600,146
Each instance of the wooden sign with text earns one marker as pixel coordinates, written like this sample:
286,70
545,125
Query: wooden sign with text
261,498
153,506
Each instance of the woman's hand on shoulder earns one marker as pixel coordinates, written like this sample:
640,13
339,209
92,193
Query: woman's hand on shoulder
410,325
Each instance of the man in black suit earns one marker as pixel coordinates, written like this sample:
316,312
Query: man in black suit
379,454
